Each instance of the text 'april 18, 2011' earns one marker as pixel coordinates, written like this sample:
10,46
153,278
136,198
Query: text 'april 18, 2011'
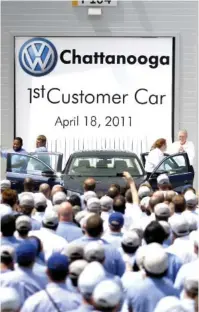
54,96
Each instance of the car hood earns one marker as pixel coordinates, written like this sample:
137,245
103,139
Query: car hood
75,184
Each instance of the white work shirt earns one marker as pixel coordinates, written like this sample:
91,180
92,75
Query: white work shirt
188,148
115,239
187,270
51,242
63,299
183,248
153,159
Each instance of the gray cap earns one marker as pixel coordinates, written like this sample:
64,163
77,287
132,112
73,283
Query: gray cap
191,284
140,255
10,299
107,294
191,199
50,218
144,191
92,275
94,251
5,184
145,201
76,209
179,225
156,259
162,210
106,203
23,222
75,251
93,205
169,304
76,268
26,199
7,250
40,200
163,179
166,227
89,194
59,198
191,218
80,215
131,239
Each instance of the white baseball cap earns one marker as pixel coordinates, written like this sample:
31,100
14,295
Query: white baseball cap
59,198
93,205
106,203
5,184
40,200
89,194
169,304
144,191
26,199
131,239
107,294
50,218
94,251
10,299
163,179
191,199
23,222
155,259
162,210
179,225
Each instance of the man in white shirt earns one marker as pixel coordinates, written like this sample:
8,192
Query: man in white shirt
182,145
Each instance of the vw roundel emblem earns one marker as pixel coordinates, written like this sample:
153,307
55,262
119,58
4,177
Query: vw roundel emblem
38,57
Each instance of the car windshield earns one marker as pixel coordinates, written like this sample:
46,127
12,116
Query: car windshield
105,166
48,158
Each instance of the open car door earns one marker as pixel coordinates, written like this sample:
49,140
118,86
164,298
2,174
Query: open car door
52,159
143,157
21,166
178,168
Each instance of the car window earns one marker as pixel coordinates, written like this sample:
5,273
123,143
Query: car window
26,164
174,164
48,158
104,166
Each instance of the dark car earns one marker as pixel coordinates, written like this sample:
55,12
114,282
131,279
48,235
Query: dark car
105,166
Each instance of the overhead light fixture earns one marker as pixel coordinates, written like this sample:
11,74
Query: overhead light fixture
95,11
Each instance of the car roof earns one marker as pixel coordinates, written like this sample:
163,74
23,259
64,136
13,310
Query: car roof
115,153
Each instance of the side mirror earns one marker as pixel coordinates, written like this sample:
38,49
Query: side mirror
49,174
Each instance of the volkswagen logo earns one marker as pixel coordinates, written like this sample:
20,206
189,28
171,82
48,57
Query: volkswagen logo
38,57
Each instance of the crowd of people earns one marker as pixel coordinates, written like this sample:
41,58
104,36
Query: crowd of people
130,250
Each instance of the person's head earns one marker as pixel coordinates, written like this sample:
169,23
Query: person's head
88,195
91,276
26,203
45,189
9,197
107,296
155,261
163,182
188,187
155,200
106,203
75,269
170,304
182,136
191,200
17,144
5,185
144,205
94,251
75,200
65,212
50,220
154,233
119,204
162,212
59,198
93,205
89,184
40,202
113,192
161,144
75,252
94,226
23,225
10,300
57,268
116,221
41,141
144,191
8,225
7,254
56,188
191,290
130,242
28,185
179,226
26,254
179,203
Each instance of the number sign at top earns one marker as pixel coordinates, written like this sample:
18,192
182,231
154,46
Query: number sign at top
92,3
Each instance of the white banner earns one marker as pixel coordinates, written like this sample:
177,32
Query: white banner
93,92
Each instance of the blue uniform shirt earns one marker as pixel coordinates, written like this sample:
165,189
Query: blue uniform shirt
144,295
63,299
10,240
69,230
174,266
113,263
